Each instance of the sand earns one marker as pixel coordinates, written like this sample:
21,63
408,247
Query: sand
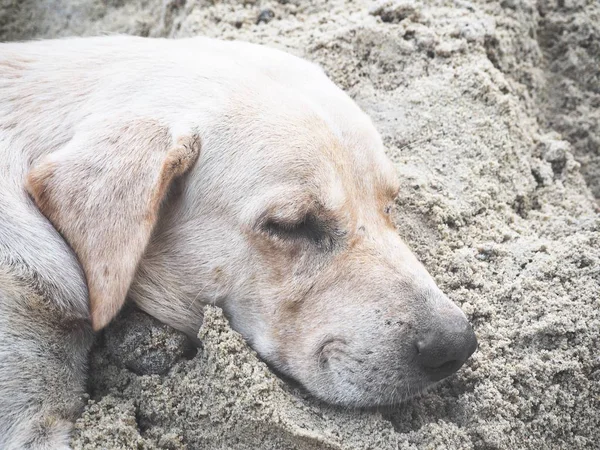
491,113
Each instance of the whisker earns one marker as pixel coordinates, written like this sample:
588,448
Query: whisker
189,307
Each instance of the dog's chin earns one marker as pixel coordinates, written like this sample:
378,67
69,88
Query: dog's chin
343,392
387,397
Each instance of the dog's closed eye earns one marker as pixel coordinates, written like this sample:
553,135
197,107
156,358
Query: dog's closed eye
309,229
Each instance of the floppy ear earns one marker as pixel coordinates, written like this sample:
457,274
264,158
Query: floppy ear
102,192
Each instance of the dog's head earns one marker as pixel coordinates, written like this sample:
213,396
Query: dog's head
285,222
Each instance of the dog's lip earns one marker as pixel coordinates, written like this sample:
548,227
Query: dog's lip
321,351
418,387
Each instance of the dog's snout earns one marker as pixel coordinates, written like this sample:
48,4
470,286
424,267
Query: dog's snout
443,350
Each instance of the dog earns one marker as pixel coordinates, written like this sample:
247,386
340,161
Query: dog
178,173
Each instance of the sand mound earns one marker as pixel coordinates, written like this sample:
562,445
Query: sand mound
491,113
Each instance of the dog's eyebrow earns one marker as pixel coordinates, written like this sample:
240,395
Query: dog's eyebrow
391,187
295,210
387,193
386,183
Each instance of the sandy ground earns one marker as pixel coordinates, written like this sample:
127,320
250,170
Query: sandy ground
491,113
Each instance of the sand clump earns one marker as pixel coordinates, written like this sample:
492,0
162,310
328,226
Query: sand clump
244,406
490,111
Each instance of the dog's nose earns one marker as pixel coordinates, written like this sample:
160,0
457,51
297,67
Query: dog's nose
444,349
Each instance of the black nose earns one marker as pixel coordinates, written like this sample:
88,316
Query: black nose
444,349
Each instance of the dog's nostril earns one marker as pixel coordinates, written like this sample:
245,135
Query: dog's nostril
443,351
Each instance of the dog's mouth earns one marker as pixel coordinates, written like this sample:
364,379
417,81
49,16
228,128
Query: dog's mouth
389,396
353,379
361,373
330,347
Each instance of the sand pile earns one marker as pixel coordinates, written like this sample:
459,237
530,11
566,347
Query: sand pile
491,112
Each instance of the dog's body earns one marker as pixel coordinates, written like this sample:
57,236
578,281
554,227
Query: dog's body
282,221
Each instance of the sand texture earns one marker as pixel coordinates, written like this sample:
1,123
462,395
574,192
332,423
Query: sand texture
491,113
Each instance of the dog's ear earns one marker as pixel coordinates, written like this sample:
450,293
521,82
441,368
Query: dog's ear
102,192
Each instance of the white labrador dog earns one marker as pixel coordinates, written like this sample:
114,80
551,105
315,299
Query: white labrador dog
186,172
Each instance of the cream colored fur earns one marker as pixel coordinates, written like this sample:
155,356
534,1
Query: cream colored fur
283,220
